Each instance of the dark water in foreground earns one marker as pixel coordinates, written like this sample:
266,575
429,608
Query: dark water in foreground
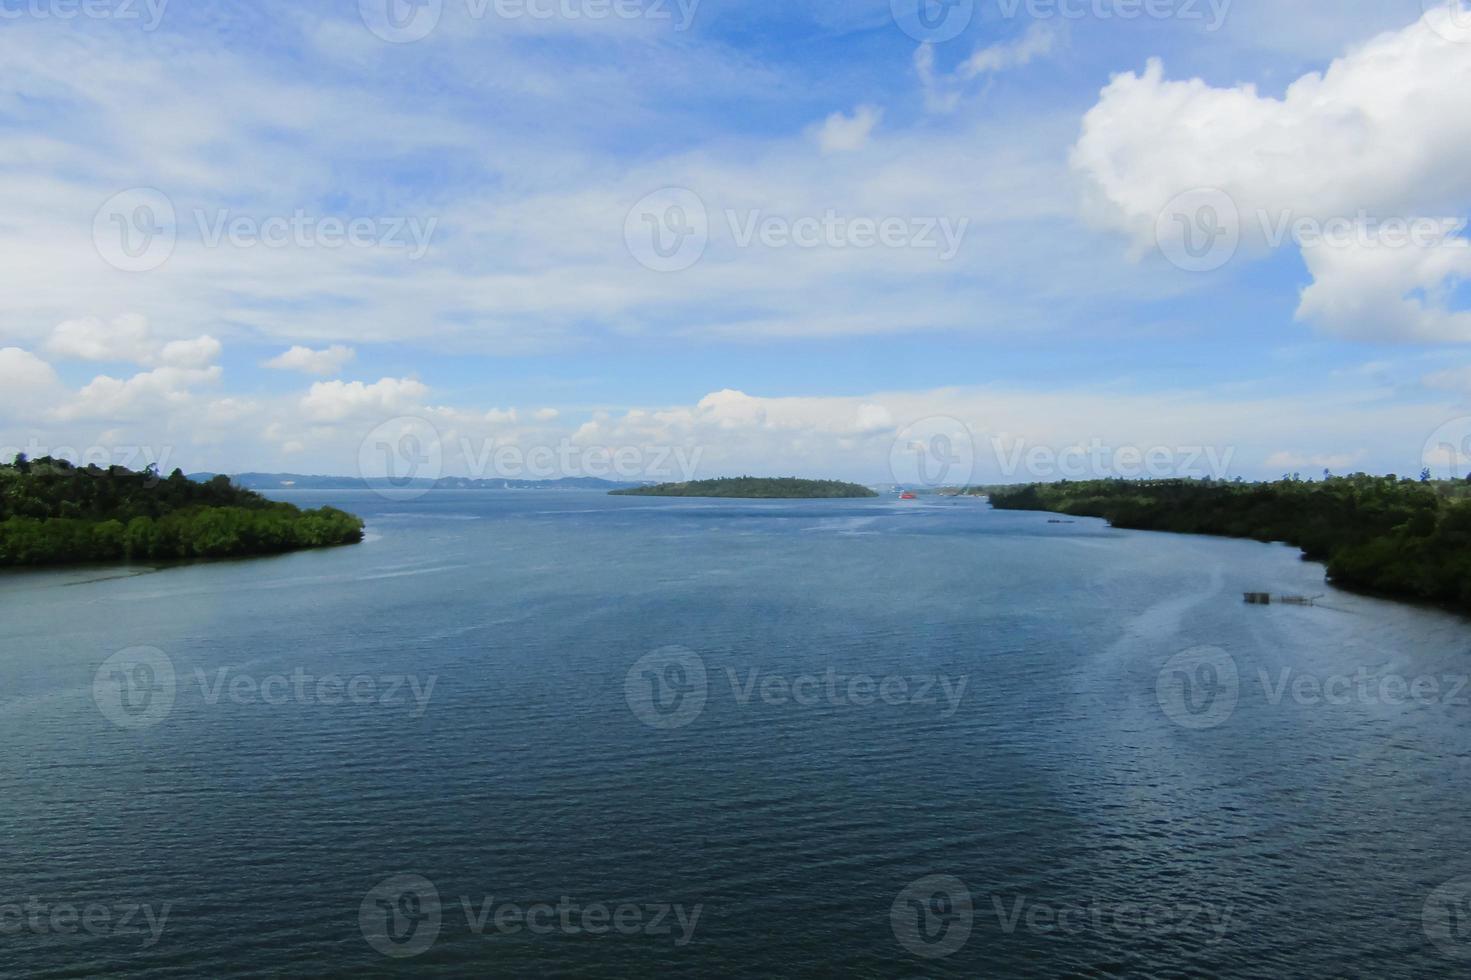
965,750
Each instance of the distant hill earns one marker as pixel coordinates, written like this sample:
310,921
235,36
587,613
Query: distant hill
753,488
298,481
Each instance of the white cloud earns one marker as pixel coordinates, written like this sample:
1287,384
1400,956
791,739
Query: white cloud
152,392
1370,291
125,338
547,414
328,361
844,134
335,401
27,383
128,338
1381,135
196,353
943,92
1039,40
22,369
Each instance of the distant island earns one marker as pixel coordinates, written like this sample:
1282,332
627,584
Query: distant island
52,512
1389,535
299,481
753,488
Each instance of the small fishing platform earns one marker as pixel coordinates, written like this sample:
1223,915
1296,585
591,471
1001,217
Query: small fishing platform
1266,599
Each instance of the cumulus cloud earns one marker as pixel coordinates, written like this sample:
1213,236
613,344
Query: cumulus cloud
155,392
335,401
196,353
1380,138
26,381
844,134
327,361
1368,289
127,338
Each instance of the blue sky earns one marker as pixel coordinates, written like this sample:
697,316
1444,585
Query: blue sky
178,178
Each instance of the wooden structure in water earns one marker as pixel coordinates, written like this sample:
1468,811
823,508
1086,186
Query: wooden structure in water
1265,599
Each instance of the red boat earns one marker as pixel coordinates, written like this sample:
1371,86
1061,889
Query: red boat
906,495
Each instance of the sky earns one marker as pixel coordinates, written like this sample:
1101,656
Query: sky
913,241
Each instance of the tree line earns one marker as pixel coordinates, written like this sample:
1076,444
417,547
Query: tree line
52,512
753,488
1385,534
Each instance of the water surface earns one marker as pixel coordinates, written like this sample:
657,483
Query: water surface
1108,810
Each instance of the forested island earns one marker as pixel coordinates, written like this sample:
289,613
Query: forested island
753,488
299,481
1400,537
52,512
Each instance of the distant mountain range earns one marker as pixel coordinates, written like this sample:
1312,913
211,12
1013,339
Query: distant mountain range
297,481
